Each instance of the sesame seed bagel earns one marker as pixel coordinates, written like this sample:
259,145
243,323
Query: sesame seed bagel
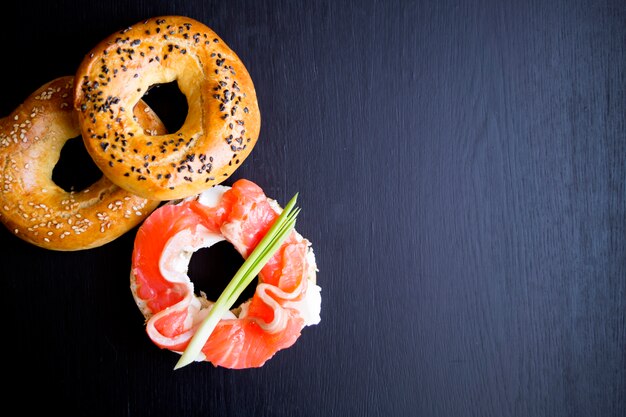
32,206
221,127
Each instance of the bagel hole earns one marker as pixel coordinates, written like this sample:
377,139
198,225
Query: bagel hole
211,269
169,103
75,170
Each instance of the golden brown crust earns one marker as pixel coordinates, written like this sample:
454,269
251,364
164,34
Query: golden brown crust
32,206
220,130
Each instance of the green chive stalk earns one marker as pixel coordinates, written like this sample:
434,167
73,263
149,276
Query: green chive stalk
263,252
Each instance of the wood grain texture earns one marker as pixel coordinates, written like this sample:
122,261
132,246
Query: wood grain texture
461,169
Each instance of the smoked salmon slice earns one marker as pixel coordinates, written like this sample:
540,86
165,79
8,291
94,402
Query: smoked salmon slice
286,298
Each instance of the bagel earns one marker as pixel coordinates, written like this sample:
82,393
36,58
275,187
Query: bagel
286,298
32,206
223,120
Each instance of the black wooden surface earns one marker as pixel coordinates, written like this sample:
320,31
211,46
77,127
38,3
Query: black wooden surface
461,169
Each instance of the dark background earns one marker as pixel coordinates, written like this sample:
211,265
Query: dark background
461,169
